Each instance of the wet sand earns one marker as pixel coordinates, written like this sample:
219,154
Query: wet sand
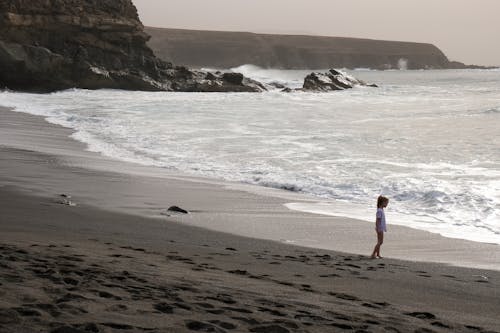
116,262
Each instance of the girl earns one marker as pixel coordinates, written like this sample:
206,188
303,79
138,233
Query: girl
380,226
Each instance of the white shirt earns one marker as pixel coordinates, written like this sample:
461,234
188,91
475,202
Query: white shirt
381,216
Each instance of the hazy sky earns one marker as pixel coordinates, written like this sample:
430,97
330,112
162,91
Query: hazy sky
465,30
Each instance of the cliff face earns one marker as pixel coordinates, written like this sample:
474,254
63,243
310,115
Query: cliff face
56,44
232,49
48,45
109,30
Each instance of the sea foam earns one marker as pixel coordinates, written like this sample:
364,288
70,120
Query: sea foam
428,140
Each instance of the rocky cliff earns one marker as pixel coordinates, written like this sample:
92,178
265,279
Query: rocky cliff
231,49
48,45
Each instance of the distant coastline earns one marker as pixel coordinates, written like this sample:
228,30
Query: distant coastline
222,49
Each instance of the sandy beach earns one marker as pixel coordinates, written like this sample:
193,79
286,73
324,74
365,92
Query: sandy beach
108,256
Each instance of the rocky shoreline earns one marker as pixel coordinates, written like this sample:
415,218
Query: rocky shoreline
61,44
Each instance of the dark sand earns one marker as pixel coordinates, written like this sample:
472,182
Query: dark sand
105,266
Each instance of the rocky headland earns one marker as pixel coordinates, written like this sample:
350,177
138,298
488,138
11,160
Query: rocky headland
222,49
59,44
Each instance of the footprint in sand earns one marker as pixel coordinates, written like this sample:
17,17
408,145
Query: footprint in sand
27,312
440,324
240,310
421,315
164,308
118,326
247,320
223,324
67,329
344,296
238,272
105,294
223,298
269,329
117,308
194,325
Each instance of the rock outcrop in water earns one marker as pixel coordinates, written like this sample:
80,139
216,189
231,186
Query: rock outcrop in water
331,81
59,44
224,49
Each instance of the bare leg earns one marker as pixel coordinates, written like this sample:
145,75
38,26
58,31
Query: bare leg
375,251
380,240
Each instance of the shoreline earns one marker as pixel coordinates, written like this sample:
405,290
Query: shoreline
112,262
78,267
259,213
429,196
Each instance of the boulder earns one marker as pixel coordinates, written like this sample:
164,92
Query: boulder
233,78
276,84
330,81
176,209
199,81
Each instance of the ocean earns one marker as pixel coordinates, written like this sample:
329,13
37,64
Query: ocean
429,140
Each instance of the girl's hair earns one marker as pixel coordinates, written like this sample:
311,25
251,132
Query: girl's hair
381,200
